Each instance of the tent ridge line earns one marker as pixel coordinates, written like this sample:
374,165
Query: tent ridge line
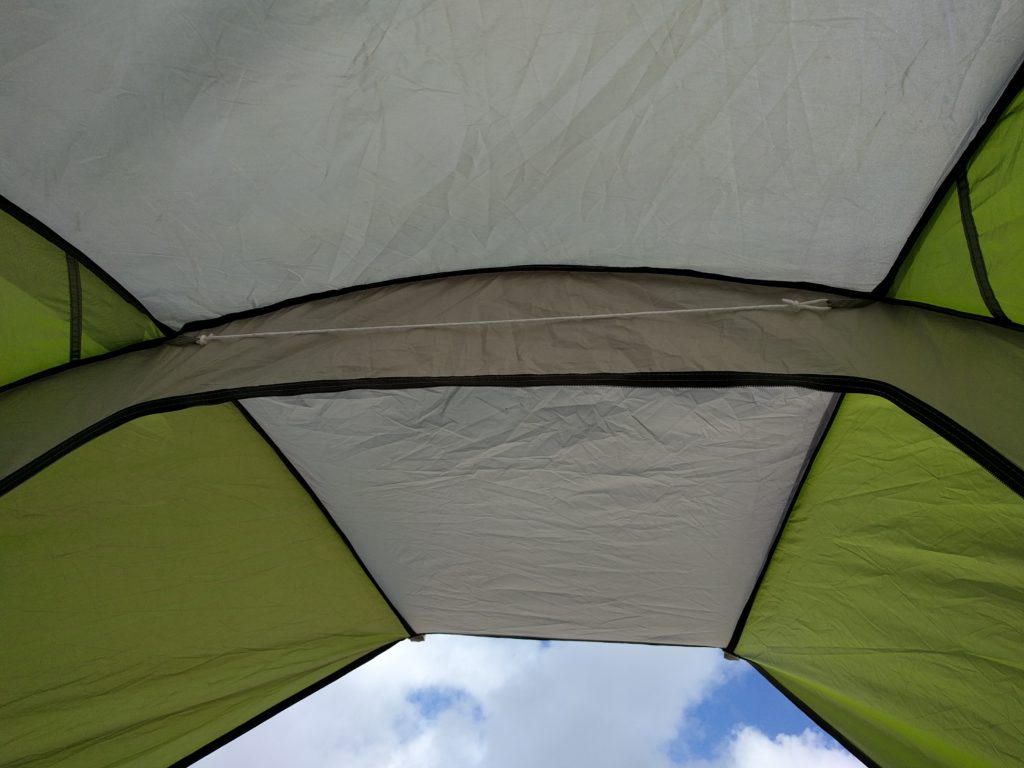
824,427
185,335
203,324
980,451
318,502
786,305
988,295
960,167
196,326
70,251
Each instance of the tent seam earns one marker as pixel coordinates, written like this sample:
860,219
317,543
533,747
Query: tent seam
276,709
960,168
301,480
74,309
824,427
818,720
963,193
71,252
981,452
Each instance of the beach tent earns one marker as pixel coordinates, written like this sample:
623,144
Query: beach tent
329,323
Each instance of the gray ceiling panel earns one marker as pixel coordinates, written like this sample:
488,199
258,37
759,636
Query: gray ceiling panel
568,512
216,155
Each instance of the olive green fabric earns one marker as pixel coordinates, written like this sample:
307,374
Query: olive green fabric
35,296
892,605
108,321
161,586
34,321
997,194
939,269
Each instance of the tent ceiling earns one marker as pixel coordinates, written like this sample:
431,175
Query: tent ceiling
600,513
546,452
219,156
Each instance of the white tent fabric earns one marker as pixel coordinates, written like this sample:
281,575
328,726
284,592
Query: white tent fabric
601,512
216,156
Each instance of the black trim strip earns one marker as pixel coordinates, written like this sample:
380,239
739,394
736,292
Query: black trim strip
71,251
827,727
1014,87
553,639
816,442
72,364
196,326
963,193
74,309
984,454
323,510
202,325
281,706
1011,324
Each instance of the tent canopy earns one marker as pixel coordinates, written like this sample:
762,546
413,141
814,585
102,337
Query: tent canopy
331,323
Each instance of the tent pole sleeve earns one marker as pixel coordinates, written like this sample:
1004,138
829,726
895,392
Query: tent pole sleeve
963,372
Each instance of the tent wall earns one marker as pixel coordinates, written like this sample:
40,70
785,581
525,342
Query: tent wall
968,256
55,310
891,606
163,585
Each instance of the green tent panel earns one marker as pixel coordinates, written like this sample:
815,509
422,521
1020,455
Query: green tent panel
36,318
163,585
967,258
55,309
892,605
939,270
997,194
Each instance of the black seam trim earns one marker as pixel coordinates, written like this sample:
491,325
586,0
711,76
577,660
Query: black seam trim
827,727
557,639
301,480
71,251
72,364
980,451
201,325
817,441
963,193
281,706
796,286
148,343
195,326
1009,324
74,309
1014,87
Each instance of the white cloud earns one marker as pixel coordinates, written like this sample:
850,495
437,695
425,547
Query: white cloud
465,702
749,748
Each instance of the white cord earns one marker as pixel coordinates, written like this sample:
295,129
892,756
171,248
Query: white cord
787,305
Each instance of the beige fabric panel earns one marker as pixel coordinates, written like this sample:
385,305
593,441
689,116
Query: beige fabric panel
216,155
966,369
592,512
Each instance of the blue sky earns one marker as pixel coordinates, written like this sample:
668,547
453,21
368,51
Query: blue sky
463,702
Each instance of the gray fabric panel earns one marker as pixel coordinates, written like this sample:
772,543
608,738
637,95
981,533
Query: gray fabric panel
966,369
601,513
216,155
